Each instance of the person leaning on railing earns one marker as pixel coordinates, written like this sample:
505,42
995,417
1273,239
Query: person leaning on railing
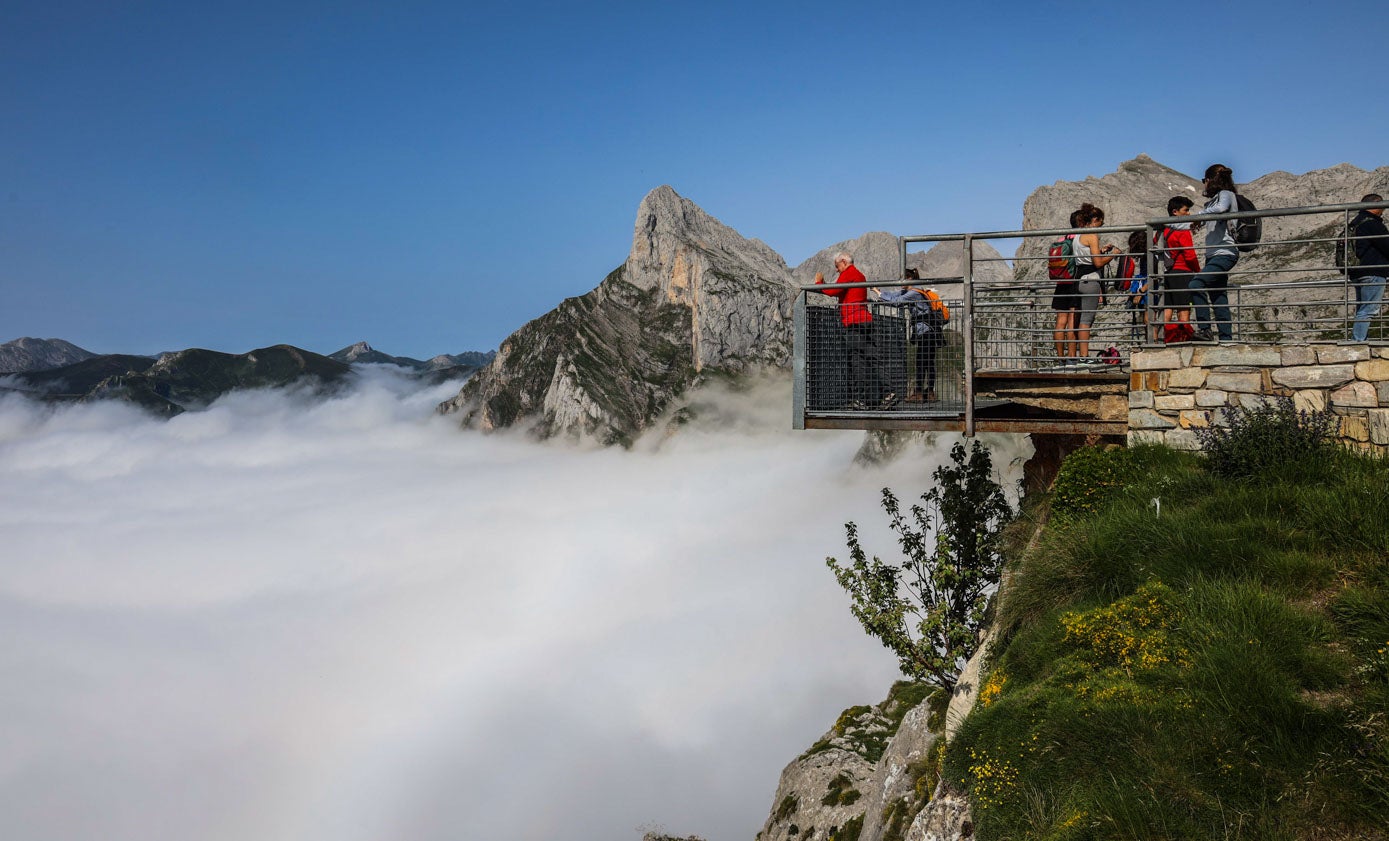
1371,241
866,388
1210,290
927,314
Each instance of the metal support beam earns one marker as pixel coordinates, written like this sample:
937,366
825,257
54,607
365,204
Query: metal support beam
1040,426
798,351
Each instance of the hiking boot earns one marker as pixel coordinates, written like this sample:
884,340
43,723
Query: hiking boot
1202,335
858,405
931,396
890,400
915,398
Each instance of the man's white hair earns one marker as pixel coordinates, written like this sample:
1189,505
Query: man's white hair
845,256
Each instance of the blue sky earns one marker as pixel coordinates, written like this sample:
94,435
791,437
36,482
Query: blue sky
429,176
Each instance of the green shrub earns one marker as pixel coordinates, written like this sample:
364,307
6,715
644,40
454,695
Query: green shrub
850,831
1271,435
1089,478
841,792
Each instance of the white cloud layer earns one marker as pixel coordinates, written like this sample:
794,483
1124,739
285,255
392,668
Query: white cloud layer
346,619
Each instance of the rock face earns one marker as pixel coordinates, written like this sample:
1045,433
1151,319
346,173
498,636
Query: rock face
1139,190
867,778
694,298
39,354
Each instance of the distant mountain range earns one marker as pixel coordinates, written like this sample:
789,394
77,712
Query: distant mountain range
57,370
452,364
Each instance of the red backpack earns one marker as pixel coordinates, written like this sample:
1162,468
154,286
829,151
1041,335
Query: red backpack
1177,331
1061,259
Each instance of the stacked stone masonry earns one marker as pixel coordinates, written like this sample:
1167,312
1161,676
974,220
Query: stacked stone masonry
1174,391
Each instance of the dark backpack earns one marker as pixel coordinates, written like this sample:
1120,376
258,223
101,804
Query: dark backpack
1061,259
1126,269
1165,255
1247,232
1346,256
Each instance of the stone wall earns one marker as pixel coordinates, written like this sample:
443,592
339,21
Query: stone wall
1175,390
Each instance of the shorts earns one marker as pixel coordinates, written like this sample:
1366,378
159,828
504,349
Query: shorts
1175,291
1067,296
1091,288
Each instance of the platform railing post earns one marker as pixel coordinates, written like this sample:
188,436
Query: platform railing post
968,291
798,353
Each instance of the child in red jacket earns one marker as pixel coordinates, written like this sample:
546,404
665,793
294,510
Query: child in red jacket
1176,251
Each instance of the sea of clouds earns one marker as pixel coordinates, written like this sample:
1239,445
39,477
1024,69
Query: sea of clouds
290,617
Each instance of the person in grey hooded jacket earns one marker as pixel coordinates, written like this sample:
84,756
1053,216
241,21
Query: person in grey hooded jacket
1210,290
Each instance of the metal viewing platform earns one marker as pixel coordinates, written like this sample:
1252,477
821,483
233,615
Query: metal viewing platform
996,363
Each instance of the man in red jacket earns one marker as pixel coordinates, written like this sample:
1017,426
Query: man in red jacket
865,378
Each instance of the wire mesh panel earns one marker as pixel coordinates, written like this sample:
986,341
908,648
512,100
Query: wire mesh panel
827,360
881,365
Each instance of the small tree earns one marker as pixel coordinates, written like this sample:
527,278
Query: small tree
929,609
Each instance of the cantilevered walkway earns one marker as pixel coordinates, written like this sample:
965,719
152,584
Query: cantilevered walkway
997,369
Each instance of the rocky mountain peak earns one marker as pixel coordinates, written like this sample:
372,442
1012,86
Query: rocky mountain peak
692,297
29,354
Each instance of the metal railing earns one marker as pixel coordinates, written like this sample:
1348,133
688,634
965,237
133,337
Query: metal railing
882,365
1284,288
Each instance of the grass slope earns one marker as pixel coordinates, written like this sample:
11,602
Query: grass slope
1216,667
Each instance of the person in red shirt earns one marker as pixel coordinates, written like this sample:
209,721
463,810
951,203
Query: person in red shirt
865,379
1176,295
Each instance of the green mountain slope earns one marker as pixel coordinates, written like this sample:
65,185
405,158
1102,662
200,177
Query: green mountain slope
1185,656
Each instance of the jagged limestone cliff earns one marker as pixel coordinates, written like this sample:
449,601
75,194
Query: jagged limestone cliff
693,298
1295,248
1139,189
867,778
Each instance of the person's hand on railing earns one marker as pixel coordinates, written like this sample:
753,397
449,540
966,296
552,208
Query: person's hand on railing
819,277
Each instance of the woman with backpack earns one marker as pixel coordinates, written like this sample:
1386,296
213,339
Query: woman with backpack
1210,290
1090,258
1065,301
929,315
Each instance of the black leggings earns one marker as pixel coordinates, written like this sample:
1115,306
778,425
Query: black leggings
926,362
